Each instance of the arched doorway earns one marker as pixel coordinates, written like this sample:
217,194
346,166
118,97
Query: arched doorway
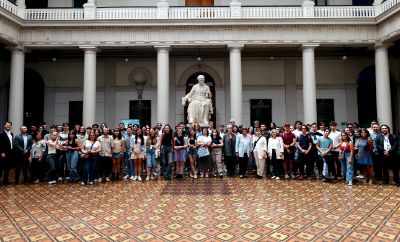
192,80
366,97
33,97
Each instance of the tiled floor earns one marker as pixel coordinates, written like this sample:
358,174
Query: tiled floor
201,210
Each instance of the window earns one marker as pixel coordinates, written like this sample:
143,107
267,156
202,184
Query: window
79,3
36,3
321,2
325,110
75,112
261,110
140,110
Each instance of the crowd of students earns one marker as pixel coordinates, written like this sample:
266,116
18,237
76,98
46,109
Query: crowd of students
96,154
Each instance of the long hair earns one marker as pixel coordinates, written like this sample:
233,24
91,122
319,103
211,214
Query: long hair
137,137
74,138
119,134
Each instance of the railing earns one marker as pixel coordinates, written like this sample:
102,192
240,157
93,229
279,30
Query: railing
385,6
199,13
126,13
355,12
8,6
54,14
272,12
344,12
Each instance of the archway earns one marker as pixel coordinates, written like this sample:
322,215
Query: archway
209,80
33,97
366,97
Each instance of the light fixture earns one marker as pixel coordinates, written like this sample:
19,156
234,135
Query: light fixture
54,59
344,57
272,58
126,59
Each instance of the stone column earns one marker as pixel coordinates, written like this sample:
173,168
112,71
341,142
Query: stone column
21,8
309,84
383,94
16,96
236,82
162,84
89,85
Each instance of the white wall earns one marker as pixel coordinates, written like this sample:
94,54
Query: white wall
60,3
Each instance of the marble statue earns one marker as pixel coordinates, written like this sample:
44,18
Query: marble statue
200,104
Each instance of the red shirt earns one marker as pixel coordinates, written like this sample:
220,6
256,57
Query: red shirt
288,138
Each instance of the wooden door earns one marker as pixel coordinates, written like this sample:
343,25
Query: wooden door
199,3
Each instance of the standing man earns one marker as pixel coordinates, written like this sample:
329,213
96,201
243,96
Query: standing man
324,147
335,136
387,149
376,162
6,147
22,146
313,154
105,165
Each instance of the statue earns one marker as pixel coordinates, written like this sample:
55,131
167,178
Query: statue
200,104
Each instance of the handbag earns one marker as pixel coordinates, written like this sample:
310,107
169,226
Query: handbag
203,151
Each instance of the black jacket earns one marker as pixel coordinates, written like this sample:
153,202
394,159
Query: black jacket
5,145
393,143
19,143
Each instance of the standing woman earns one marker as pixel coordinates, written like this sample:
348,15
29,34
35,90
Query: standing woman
197,129
180,153
346,156
260,153
36,157
205,160
52,161
235,130
251,165
73,147
192,152
90,154
243,149
118,149
167,141
275,152
216,151
229,142
151,147
365,147
138,154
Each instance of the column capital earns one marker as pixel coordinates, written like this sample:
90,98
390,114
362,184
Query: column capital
89,48
309,46
235,46
162,47
18,48
381,45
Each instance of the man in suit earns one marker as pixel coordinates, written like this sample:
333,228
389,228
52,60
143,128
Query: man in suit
387,149
22,146
6,146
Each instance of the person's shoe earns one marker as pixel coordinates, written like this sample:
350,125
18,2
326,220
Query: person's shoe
36,181
360,177
300,178
195,176
241,176
95,180
99,180
133,178
147,178
152,177
191,176
201,175
287,176
273,177
91,183
83,183
370,181
107,179
126,177
292,176
221,175
177,176
60,179
206,174
52,182
350,183
277,178
139,178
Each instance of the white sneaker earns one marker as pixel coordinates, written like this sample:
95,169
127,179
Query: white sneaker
360,177
195,176
60,179
287,176
139,178
293,176
155,175
277,178
107,179
36,181
201,175
82,183
152,177
273,177
132,178
95,180
99,180
147,178
126,177
52,182
350,183
206,174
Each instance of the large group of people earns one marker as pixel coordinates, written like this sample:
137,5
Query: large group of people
96,154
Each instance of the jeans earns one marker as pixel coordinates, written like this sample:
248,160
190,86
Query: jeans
151,158
129,165
89,169
61,164
327,165
72,161
52,167
348,169
167,161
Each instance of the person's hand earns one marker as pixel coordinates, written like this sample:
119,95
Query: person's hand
25,152
386,153
237,154
350,162
3,155
110,156
30,159
324,154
